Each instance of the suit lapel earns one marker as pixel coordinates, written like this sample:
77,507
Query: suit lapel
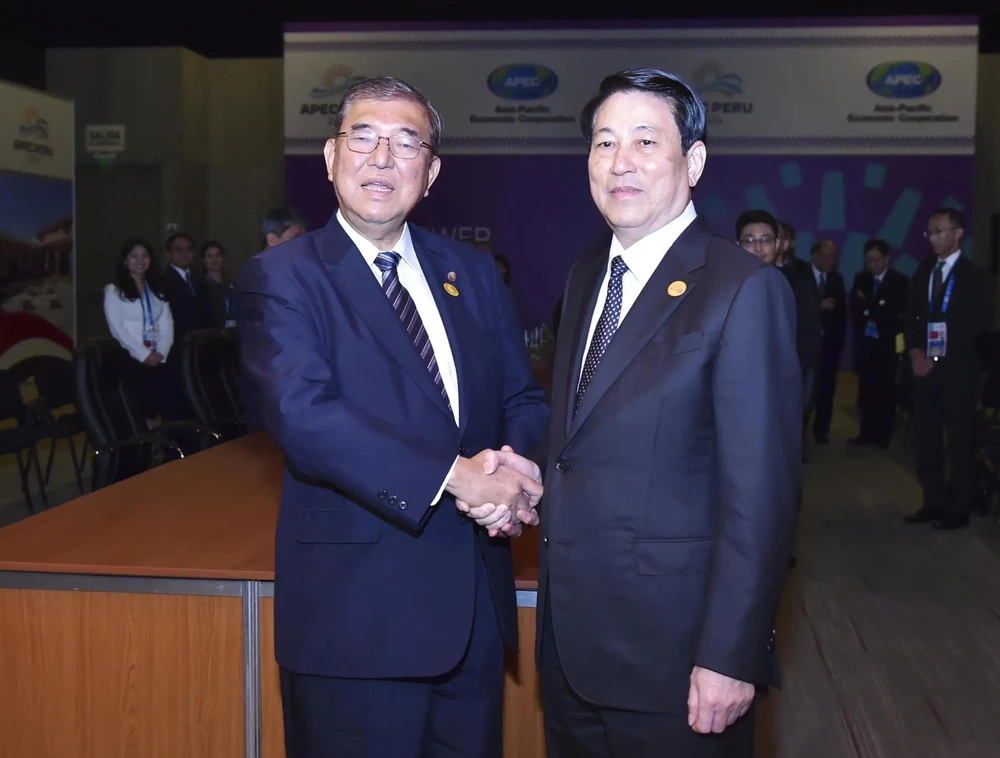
454,315
647,315
582,299
354,281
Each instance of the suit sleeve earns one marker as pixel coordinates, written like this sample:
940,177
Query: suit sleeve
323,434
525,410
757,397
857,304
911,324
809,327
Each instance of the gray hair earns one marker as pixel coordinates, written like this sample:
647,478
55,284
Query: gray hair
386,88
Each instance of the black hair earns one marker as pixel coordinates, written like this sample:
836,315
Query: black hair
789,230
755,217
955,217
123,280
687,107
877,244
208,245
174,237
277,221
502,259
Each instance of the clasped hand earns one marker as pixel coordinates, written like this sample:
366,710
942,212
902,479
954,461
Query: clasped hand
498,489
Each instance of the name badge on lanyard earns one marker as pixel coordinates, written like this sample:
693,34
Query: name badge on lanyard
937,331
230,322
150,333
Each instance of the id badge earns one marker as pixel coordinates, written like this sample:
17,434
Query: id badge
937,339
149,335
871,329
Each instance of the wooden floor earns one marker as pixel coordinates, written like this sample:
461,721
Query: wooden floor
889,633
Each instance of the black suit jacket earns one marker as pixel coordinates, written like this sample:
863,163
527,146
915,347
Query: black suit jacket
191,310
807,323
969,314
886,308
670,496
834,321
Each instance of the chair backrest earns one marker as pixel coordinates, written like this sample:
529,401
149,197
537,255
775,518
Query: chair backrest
11,403
107,401
207,356
54,380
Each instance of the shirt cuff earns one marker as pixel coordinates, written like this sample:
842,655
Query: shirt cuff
444,484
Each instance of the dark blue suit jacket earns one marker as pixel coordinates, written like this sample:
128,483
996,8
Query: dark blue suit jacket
371,580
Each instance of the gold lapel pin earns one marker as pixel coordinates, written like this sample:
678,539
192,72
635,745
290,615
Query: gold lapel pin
676,289
451,289
451,276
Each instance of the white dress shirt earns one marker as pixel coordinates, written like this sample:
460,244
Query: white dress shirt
125,321
412,278
818,276
642,258
183,274
949,264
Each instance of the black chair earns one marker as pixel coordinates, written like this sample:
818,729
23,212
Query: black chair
54,380
210,367
112,414
23,438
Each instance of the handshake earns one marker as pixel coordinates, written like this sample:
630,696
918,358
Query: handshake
498,489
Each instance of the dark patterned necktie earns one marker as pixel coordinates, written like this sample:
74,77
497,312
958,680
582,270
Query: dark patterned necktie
403,304
607,325
937,282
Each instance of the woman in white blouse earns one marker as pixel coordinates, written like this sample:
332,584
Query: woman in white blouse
139,319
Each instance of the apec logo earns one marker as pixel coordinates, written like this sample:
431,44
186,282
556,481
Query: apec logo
904,80
522,81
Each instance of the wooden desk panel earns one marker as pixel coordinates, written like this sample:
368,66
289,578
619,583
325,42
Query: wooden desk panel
209,516
99,674
272,727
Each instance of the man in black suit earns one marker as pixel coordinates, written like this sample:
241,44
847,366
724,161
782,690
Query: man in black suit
787,260
950,305
832,295
187,292
673,458
191,307
758,232
878,300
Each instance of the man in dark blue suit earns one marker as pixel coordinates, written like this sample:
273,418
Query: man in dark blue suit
388,363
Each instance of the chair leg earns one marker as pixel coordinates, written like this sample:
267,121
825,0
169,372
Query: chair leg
33,455
52,458
77,465
25,490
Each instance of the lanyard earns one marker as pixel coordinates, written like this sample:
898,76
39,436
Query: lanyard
147,309
226,296
947,294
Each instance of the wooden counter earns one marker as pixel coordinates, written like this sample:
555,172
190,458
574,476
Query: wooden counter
138,620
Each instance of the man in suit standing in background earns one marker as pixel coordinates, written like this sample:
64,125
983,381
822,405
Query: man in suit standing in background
950,305
387,361
186,290
878,300
281,225
673,459
833,319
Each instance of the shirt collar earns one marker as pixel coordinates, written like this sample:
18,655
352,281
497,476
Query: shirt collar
180,271
370,252
950,260
816,272
881,276
644,256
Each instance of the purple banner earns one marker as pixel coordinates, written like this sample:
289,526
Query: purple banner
537,209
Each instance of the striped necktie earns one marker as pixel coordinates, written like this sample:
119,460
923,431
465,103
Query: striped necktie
403,304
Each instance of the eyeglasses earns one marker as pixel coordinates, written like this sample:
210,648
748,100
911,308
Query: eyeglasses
404,146
764,241
938,232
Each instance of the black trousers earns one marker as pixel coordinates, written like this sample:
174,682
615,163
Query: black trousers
877,363
826,387
456,715
945,427
575,728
